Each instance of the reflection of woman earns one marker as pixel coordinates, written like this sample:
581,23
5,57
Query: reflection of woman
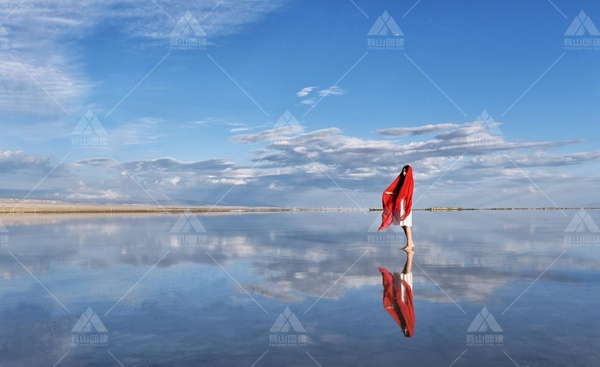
398,296
397,204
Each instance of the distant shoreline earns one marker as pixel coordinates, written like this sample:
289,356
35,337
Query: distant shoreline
10,207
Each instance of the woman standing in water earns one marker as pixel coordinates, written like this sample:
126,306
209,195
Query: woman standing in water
397,205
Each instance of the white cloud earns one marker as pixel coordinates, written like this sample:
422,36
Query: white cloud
319,161
138,132
417,130
359,163
45,37
330,92
16,160
240,129
63,85
305,91
274,186
81,191
333,91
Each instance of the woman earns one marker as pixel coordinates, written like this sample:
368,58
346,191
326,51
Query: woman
398,296
397,205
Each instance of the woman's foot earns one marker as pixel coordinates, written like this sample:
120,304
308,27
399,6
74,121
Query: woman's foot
408,247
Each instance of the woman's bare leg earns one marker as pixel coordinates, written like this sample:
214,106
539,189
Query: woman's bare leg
408,265
409,240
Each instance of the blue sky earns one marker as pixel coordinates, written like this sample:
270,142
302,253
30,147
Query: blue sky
191,124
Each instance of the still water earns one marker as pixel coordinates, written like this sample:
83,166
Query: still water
297,290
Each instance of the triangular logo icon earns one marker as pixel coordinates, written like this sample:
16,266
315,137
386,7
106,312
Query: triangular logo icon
485,121
384,24
377,223
3,31
186,25
288,125
484,321
186,222
582,221
2,228
286,322
580,25
89,322
89,124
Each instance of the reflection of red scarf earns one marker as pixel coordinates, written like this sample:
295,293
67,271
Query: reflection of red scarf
392,301
391,203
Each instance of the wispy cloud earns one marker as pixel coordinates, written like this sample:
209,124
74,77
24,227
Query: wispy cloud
356,160
329,92
418,130
359,165
48,36
31,85
333,91
142,131
239,129
305,91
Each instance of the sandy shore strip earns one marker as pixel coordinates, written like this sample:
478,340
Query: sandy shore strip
16,206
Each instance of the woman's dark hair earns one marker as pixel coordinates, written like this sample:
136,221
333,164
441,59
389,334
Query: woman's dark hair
401,182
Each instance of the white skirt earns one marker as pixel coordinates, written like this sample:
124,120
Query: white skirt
407,222
406,277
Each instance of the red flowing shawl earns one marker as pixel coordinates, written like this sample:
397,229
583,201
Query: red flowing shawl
392,301
391,203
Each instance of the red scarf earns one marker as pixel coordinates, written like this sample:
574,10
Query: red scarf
392,301
391,203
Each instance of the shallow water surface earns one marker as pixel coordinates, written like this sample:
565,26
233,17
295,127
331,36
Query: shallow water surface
146,290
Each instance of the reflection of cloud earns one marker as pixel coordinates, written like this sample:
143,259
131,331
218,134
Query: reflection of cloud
272,291
309,256
28,327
